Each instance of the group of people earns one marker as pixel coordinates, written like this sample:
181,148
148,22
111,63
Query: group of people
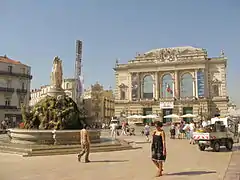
125,130
158,146
183,130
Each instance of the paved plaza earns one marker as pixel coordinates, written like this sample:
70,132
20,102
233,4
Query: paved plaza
184,161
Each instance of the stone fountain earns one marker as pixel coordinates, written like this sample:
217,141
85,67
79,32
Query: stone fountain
53,125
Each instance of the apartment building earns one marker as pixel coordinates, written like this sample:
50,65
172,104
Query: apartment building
99,104
15,80
68,86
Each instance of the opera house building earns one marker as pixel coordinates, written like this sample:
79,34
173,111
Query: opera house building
180,80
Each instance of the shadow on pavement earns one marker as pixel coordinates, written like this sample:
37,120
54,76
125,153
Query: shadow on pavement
109,161
223,149
190,173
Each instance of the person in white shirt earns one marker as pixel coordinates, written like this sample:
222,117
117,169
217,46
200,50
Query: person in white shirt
124,129
209,122
113,128
147,131
186,130
191,130
204,124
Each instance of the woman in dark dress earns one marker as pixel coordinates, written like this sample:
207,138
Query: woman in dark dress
158,147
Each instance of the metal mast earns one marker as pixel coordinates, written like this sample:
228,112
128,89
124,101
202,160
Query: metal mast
78,71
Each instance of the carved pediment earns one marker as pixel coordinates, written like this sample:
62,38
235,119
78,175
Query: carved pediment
171,54
151,54
187,51
216,81
123,86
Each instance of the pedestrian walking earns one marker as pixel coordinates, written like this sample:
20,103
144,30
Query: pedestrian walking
85,144
124,129
158,148
191,129
172,131
113,128
147,131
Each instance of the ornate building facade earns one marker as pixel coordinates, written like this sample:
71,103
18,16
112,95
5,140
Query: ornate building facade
68,86
15,81
177,80
99,104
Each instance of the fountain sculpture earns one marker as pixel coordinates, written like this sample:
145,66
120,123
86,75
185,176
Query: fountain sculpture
54,119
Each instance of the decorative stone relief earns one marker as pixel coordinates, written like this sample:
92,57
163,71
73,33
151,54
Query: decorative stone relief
171,54
215,80
123,91
166,54
122,78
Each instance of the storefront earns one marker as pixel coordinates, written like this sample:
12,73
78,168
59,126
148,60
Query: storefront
147,111
165,113
187,110
167,109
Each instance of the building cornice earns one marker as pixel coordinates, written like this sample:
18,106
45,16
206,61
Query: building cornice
152,64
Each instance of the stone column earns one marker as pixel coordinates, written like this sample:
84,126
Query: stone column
130,87
173,86
196,83
156,86
176,84
194,89
160,87
139,86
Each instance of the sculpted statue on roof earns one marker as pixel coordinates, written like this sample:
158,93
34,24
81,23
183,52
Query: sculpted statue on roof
170,54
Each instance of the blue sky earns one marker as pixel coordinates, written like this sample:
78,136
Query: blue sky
34,31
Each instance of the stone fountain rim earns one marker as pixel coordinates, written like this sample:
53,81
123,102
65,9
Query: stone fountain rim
18,130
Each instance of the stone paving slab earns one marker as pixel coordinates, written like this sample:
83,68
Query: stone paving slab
184,162
233,171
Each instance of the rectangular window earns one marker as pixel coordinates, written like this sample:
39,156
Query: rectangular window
23,85
9,84
23,70
10,69
7,102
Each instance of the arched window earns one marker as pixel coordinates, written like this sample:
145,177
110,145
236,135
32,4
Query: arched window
186,85
23,85
67,85
148,87
167,86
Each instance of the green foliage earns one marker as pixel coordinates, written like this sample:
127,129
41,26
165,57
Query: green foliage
53,113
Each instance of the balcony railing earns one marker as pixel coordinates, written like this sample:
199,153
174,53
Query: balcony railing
5,89
21,91
8,107
16,74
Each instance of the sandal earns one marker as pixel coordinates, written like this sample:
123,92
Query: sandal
159,173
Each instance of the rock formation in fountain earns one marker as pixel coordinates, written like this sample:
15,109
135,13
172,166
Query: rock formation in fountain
56,110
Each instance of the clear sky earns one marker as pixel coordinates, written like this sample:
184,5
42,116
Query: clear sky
34,31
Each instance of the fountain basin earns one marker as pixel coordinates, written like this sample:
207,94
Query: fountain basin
48,137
